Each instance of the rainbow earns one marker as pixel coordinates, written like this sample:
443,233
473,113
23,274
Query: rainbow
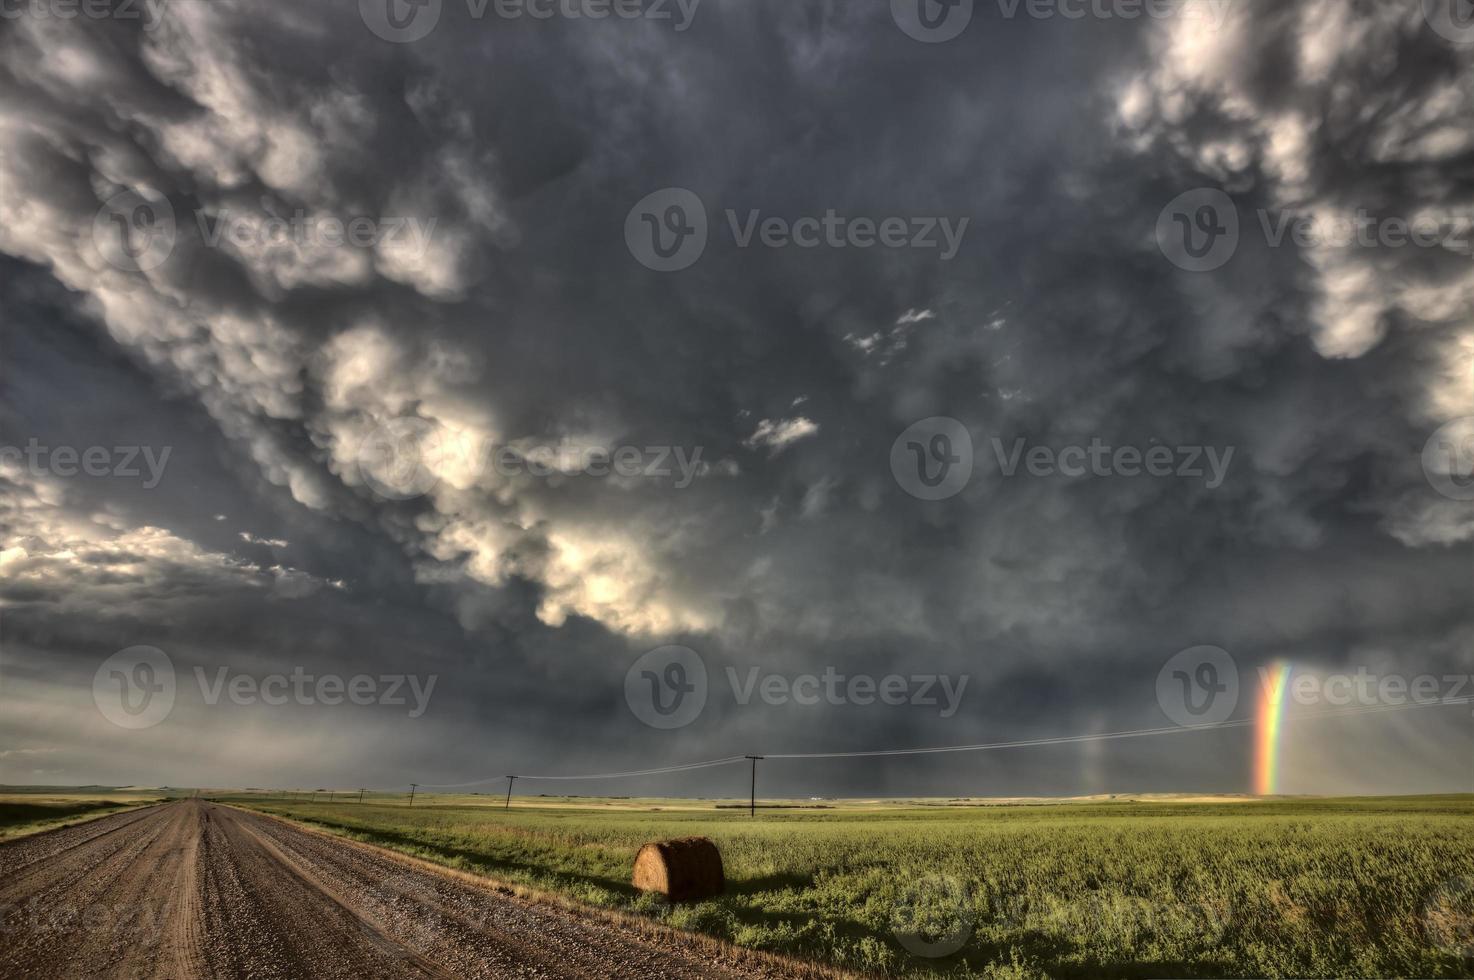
1271,719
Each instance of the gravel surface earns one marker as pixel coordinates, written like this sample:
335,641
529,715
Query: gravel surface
192,889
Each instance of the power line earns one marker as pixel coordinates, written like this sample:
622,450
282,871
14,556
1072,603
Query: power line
601,775
1338,712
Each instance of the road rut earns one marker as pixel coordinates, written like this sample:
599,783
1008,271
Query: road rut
193,889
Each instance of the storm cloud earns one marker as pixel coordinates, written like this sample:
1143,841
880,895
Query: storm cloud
430,410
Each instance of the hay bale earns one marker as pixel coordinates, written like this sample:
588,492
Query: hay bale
684,870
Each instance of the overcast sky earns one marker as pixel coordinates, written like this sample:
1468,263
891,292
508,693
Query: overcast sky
475,358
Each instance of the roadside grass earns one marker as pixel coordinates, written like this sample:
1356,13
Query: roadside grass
30,814
1303,888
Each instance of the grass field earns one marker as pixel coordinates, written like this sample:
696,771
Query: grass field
1306,888
26,810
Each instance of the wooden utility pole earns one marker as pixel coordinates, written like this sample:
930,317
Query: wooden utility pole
360,794
510,781
752,799
412,787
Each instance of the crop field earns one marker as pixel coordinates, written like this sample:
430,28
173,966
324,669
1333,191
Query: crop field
1139,888
24,811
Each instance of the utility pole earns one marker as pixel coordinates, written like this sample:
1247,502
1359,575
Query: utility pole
752,799
510,781
330,795
412,787
360,794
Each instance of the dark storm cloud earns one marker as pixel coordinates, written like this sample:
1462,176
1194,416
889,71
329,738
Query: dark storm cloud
524,321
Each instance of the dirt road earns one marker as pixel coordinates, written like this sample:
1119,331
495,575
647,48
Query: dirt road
192,889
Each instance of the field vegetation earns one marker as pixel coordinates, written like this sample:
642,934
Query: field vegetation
28,811
1305,888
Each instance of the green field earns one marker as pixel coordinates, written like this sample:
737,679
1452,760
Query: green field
1306,888
28,810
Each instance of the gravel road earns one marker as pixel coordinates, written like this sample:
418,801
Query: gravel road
193,889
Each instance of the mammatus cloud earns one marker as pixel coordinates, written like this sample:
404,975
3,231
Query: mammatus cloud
418,250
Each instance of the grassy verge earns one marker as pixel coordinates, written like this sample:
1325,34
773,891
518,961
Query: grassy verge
1323,888
20,816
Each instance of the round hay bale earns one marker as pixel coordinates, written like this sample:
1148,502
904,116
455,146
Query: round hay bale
684,870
